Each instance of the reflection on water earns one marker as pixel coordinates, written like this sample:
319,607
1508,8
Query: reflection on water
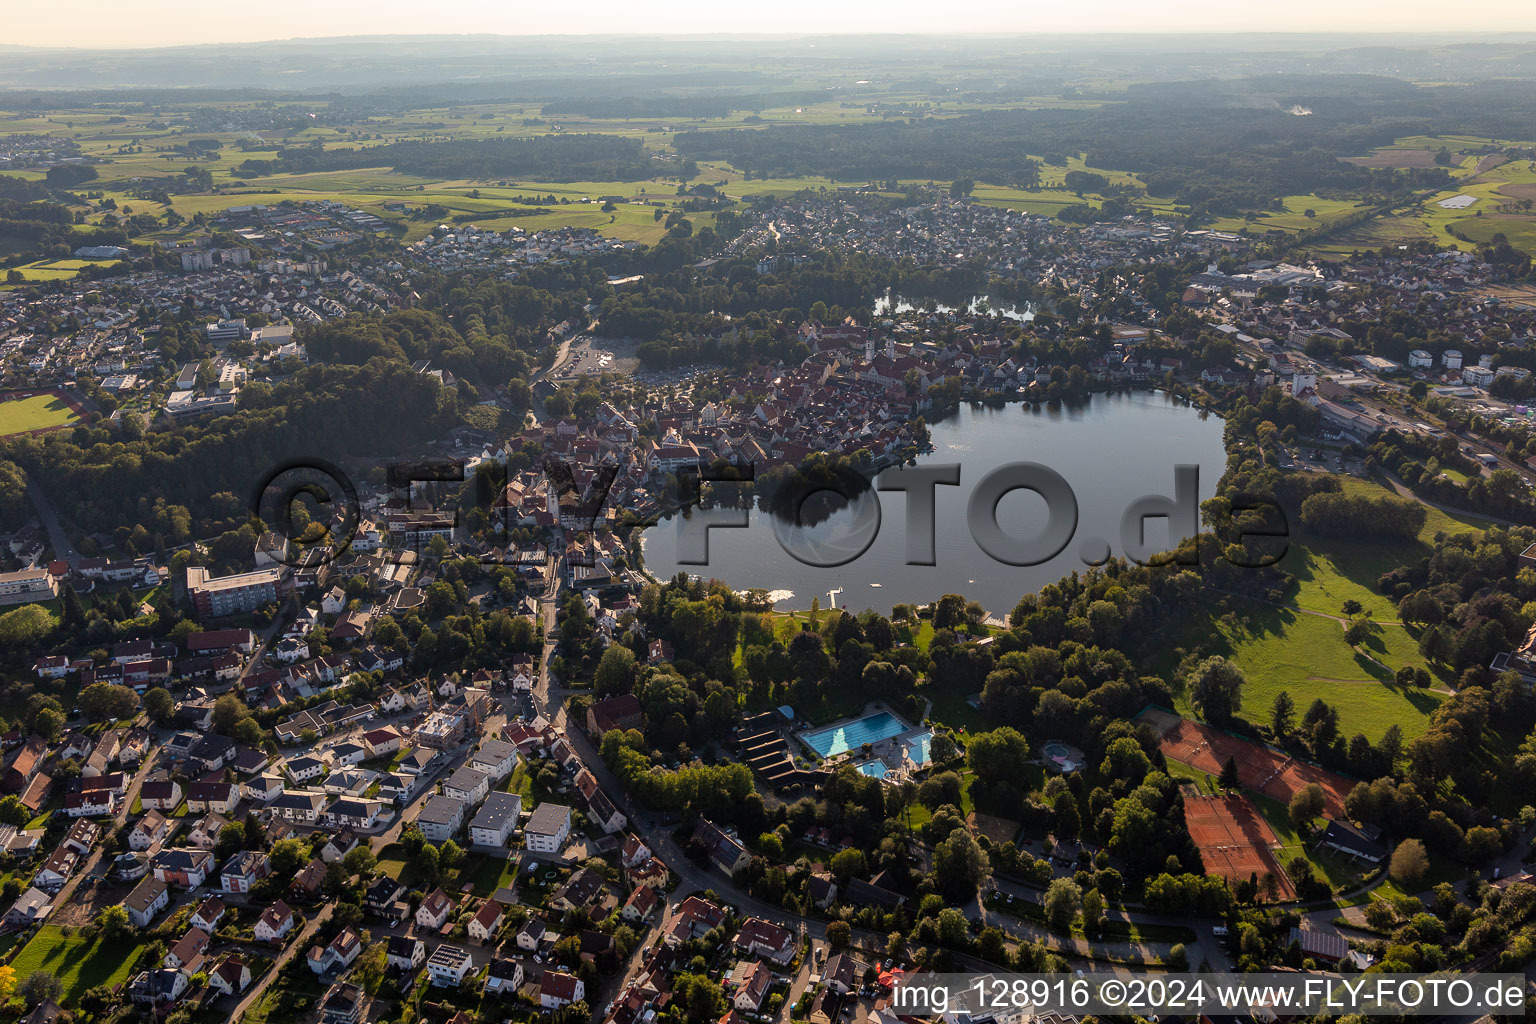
1111,450
977,306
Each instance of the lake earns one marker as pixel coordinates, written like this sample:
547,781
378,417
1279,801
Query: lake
1112,450
893,303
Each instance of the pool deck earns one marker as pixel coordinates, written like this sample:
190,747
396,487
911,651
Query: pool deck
892,750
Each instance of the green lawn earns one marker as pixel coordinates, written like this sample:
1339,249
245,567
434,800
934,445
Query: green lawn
34,413
1286,648
77,962
1306,656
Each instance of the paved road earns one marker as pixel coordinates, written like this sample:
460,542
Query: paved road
88,869
62,548
296,943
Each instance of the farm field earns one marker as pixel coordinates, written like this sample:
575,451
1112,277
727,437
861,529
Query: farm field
79,963
36,413
1293,218
1500,192
58,269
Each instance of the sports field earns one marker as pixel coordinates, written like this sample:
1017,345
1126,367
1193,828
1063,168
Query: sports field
1234,839
36,412
1262,769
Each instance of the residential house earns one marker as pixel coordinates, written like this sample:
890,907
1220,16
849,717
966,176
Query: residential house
504,977
343,1004
230,976
548,828
496,820
160,795
433,911
337,955
762,938
405,953
449,965
208,914
441,818
31,907
188,951
149,831
495,758
243,870
558,989
275,922
185,869
722,849
748,985
468,786
487,922
147,899
221,797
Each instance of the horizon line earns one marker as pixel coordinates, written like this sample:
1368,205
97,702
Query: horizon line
1491,35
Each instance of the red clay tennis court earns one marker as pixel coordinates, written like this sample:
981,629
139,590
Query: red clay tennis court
1234,839
1264,770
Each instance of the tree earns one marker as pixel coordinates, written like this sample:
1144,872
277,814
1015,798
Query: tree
1216,689
7,982
838,934
450,855
427,864
615,671
39,987
360,861
113,922
959,866
14,812
1410,863
230,842
999,755
1229,776
1282,714
101,702
25,626
1062,900
159,704
1307,804
49,724
228,711
952,927
287,856
1093,911
847,864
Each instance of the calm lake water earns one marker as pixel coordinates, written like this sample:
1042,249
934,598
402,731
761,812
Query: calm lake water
893,303
1112,450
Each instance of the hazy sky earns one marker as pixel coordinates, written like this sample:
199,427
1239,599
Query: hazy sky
113,23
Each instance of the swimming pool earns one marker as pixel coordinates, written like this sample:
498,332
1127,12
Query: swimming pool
876,769
917,747
839,739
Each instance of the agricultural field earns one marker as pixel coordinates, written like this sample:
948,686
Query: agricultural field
1505,194
36,413
57,269
130,148
1293,218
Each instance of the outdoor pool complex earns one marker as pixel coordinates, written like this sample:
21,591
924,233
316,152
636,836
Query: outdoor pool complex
839,739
